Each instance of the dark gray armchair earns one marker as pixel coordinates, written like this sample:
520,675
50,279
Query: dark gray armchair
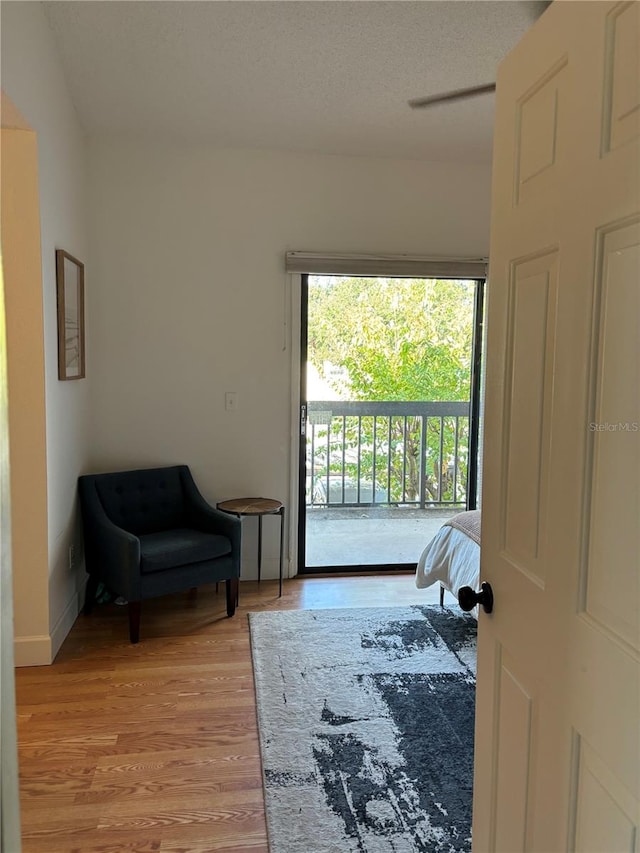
150,532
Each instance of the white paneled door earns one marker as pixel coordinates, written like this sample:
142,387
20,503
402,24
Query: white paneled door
558,697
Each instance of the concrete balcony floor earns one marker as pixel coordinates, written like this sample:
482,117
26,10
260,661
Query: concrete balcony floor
366,536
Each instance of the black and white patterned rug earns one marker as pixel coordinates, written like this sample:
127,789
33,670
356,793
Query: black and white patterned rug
366,728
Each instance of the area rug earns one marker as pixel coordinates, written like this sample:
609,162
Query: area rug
366,728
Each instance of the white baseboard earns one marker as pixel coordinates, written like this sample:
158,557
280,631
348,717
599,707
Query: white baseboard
40,650
64,624
32,651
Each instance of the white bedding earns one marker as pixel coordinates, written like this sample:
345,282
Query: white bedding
451,559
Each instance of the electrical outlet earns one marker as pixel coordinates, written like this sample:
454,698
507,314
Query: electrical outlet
72,556
231,401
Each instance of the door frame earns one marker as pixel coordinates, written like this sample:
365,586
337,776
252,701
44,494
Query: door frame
299,312
476,391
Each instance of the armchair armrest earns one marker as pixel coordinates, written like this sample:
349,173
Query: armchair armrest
209,519
112,553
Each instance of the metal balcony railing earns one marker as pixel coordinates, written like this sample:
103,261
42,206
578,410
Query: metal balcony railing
412,454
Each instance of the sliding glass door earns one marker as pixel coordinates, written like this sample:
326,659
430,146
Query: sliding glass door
389,378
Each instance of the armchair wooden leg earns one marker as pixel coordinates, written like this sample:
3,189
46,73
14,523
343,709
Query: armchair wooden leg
441,596
232,595
90,594
134,621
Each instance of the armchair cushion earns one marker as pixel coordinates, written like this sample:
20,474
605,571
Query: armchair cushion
169,549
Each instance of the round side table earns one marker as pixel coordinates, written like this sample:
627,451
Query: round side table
260,507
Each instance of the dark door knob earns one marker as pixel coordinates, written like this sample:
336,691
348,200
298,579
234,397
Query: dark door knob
468,598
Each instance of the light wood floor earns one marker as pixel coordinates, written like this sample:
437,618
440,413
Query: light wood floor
154,747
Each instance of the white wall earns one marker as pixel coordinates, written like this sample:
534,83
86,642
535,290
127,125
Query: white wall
188,292
32,77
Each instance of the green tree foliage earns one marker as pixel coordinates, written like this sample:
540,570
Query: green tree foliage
397,339
388,340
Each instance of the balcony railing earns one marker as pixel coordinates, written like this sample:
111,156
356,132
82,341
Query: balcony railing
412,454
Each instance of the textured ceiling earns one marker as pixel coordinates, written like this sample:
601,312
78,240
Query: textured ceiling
331,77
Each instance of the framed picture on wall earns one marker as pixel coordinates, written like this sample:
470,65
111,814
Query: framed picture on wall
70,291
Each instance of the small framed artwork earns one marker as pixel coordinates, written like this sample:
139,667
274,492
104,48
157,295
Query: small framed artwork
70,290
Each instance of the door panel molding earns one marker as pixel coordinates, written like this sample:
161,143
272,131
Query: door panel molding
536,136
598,800
607,589
516,739
620,84
529,368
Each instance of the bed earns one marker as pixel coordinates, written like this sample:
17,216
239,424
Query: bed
452,557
